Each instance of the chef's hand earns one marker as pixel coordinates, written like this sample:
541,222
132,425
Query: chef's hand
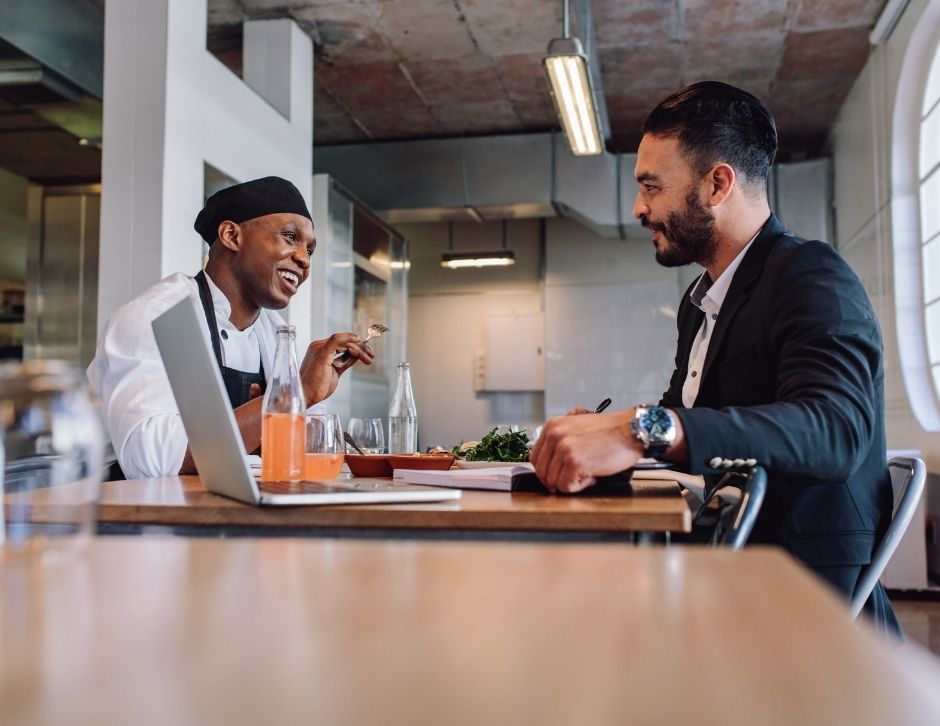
254,390
577,411
572,451
318,373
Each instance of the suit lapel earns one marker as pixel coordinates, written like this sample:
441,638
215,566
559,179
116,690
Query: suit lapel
743,281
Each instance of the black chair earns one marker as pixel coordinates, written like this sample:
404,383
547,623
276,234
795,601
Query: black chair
730,511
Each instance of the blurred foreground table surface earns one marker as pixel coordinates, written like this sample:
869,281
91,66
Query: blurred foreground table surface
299,631
182,501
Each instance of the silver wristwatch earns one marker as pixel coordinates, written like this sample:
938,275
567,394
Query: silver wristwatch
655,427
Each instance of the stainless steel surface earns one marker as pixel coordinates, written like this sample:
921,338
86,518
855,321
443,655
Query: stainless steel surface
586,188
25,83
525,175
63,35
62,273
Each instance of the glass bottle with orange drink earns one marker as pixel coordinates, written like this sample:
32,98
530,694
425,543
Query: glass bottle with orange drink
283,439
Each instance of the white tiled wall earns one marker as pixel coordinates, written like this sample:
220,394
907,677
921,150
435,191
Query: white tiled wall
610,320
447,311
862,154
445,333
608,341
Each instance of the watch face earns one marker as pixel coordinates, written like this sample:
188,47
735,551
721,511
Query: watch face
657,423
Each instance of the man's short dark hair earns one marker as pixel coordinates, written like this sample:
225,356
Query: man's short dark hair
715,122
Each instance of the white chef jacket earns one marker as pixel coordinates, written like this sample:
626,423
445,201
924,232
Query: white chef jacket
708,297
140,413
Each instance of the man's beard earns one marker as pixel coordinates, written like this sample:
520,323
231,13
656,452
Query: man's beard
688,236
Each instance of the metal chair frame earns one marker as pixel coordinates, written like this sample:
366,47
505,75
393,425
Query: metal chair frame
907,494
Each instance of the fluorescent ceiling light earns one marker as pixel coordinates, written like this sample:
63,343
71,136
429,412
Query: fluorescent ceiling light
455,260
567,68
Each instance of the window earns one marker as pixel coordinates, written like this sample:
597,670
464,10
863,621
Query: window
929,197
915,208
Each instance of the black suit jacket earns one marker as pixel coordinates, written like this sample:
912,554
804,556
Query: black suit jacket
793,378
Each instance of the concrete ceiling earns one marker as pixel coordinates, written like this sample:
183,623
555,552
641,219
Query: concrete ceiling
403,69
396,69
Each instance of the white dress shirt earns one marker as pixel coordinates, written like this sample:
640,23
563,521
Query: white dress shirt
140,413
708,297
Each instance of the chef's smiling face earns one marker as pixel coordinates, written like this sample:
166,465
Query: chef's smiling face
273,259
668,203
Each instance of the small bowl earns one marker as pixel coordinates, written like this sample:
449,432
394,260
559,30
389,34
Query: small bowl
422,461
369,464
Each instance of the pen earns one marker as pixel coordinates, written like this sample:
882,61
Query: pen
602,405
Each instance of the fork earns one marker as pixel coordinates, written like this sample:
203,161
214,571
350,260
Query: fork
375,331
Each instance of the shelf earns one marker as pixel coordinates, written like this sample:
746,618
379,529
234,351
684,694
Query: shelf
11,318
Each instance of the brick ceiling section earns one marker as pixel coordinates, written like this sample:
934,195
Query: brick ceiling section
395,69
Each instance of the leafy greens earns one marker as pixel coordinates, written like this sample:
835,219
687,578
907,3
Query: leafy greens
497,447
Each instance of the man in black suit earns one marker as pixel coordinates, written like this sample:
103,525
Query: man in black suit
779,358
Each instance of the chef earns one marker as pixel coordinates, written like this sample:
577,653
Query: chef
261,239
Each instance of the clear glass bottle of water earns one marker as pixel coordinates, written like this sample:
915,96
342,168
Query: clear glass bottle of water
403,415
282,422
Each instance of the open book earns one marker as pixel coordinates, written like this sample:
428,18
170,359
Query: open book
519,478
497,478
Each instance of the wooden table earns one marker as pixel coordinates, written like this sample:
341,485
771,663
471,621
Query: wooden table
183,503
300,631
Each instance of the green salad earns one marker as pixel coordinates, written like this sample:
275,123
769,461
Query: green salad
497,447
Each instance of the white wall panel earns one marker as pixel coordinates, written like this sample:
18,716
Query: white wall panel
170,107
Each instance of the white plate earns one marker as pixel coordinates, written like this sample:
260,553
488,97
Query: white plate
464,464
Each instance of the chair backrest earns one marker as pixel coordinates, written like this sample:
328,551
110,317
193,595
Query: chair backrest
732,517
907,479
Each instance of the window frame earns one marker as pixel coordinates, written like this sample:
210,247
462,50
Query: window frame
907,217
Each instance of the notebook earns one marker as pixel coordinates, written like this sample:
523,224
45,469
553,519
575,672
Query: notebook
216,443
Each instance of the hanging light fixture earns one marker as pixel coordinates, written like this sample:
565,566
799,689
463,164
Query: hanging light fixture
455,260
572,91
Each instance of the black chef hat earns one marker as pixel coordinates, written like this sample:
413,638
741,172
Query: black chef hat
270,195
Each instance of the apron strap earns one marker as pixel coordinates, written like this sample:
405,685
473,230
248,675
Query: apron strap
205,295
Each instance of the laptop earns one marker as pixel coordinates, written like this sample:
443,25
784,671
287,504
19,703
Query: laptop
216,443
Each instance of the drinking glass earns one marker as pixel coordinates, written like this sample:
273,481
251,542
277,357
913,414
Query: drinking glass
53,446
325,447
368,433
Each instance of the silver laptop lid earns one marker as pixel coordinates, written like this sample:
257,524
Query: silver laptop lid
214,438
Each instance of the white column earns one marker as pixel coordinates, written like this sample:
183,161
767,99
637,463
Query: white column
169,108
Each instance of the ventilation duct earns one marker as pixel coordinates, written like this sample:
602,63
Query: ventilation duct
488,177
26,84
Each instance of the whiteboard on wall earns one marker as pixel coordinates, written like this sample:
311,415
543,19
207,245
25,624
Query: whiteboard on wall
514,358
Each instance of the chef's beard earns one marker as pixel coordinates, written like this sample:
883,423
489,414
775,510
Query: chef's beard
688,236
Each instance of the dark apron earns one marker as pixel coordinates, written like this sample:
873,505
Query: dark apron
237,383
